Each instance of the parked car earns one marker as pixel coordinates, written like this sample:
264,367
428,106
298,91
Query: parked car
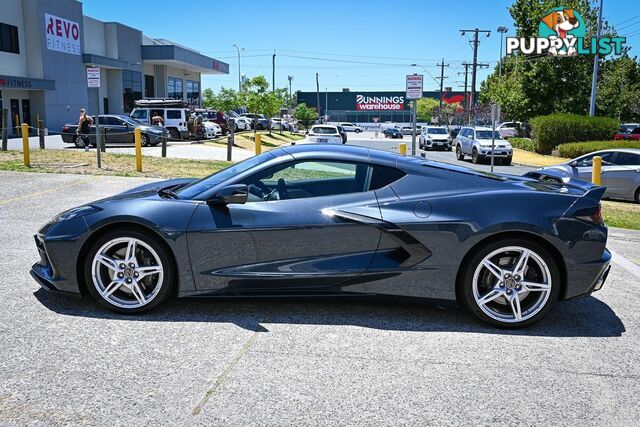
476,142
212,130
118,129
350,127
324,133
509,129
393,133
337,220
217,117
343,134
620,171
628,127
624,133
277,123
242,123
175,114
260,121
407,130
434,138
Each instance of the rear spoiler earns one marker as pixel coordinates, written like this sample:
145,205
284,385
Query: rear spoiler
591,191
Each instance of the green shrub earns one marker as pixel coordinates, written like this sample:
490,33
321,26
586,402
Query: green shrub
555,129
523,143
576,149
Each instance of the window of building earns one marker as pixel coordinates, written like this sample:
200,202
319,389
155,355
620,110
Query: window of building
149,86
132,88
193,92
9,38
174,88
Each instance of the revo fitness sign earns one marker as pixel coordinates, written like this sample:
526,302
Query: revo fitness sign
62,35
374,103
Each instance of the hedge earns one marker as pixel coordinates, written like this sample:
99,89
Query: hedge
523,143
576,149
555,129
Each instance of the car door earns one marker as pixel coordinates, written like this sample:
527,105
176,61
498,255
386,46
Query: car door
306,224
622,178
583,166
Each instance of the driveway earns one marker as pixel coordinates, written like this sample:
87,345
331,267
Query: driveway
299,362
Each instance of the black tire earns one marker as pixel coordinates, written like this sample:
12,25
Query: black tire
465,286
168,283
507,161
144,140
259,127
637,197
459,154
174,134
358,131
475,158
78,141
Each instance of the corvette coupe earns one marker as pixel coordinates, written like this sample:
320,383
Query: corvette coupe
327,220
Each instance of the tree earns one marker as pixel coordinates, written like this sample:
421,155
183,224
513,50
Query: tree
425,109
225,100
305,115
619,89
258,99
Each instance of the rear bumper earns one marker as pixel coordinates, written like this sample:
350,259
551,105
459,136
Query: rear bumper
584,279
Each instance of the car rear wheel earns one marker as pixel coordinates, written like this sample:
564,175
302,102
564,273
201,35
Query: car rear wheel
638,195
510,283
128,272
459,154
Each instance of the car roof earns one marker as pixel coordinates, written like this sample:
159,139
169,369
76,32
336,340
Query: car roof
323,126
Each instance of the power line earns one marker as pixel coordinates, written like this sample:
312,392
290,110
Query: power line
627,20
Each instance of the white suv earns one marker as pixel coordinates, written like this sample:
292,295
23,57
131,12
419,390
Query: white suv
350,127
174,113
476,142
434,138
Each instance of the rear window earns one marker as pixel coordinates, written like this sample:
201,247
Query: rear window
381,176
324,130
628,159
174,114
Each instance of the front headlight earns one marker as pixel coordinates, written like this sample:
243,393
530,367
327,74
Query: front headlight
76,213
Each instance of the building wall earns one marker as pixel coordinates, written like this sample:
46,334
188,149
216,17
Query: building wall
94,36
10,63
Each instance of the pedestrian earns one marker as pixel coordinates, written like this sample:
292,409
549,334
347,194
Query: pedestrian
157,119
84,127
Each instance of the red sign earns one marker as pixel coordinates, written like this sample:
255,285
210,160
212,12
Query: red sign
375,103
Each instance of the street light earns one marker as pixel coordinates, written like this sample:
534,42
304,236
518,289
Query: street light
239,80
502,31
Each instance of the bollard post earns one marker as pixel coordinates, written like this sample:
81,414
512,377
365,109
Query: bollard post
229,146
38,123
597,170
164,147
98,147
258,144
138,139
5,129
25,145
41,133
17,122
402,148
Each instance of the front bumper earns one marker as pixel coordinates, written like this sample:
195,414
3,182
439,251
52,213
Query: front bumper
497,152
45,273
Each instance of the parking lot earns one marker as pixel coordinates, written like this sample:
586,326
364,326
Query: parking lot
295,362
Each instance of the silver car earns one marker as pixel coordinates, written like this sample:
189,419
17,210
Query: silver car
620,171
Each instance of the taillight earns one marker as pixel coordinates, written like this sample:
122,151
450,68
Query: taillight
592,215
65,129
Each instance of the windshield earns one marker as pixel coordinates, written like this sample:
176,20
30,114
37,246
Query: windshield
198,187
324,130
437,131
486,134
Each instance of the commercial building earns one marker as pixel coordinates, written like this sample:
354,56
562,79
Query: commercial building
48,49
367,107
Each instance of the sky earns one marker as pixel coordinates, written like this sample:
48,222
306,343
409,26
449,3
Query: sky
356,44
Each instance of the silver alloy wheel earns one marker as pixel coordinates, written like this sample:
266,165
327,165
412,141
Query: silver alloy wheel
127,272
512,284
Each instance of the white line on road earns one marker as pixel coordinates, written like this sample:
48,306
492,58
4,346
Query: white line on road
625,263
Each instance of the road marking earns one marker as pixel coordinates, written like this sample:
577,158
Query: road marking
38,193
234,362
625,263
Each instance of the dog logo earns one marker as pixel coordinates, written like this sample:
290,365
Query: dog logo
562,27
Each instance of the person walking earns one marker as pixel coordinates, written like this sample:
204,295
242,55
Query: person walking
84,128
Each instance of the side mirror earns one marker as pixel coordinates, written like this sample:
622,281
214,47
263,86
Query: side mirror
231,194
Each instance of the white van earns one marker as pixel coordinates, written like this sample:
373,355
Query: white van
174,113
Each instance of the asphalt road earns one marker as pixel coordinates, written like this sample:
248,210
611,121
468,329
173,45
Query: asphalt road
298,362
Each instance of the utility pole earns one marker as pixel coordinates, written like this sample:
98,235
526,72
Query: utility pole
318,94
441,78
273,72
475,65
290,78
596,60
239,78
502,31
466,66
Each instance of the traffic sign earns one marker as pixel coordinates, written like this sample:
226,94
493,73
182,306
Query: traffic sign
414,86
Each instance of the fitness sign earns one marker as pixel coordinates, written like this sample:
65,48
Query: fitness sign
375,103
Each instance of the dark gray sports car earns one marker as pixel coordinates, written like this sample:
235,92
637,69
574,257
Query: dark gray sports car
336,220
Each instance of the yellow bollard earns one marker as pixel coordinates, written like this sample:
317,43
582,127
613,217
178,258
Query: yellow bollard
138,139
25,145
597,170
402,148
258,144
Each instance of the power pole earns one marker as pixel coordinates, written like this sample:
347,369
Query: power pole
502,31
441,78
596,60
290,78
273,72
318,94
475,65
466,66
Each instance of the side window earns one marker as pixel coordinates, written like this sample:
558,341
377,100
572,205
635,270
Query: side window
140,115
635,131
111,121
381,176
588,160
174,114
102,120
628,159
307,179
471,134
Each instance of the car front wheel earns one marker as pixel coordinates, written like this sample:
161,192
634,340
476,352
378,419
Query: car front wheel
511,283
474,156
459,154
128,272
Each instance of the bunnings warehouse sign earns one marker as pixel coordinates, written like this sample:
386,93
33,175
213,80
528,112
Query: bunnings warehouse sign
375,103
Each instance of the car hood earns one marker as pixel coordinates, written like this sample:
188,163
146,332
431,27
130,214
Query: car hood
156,186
